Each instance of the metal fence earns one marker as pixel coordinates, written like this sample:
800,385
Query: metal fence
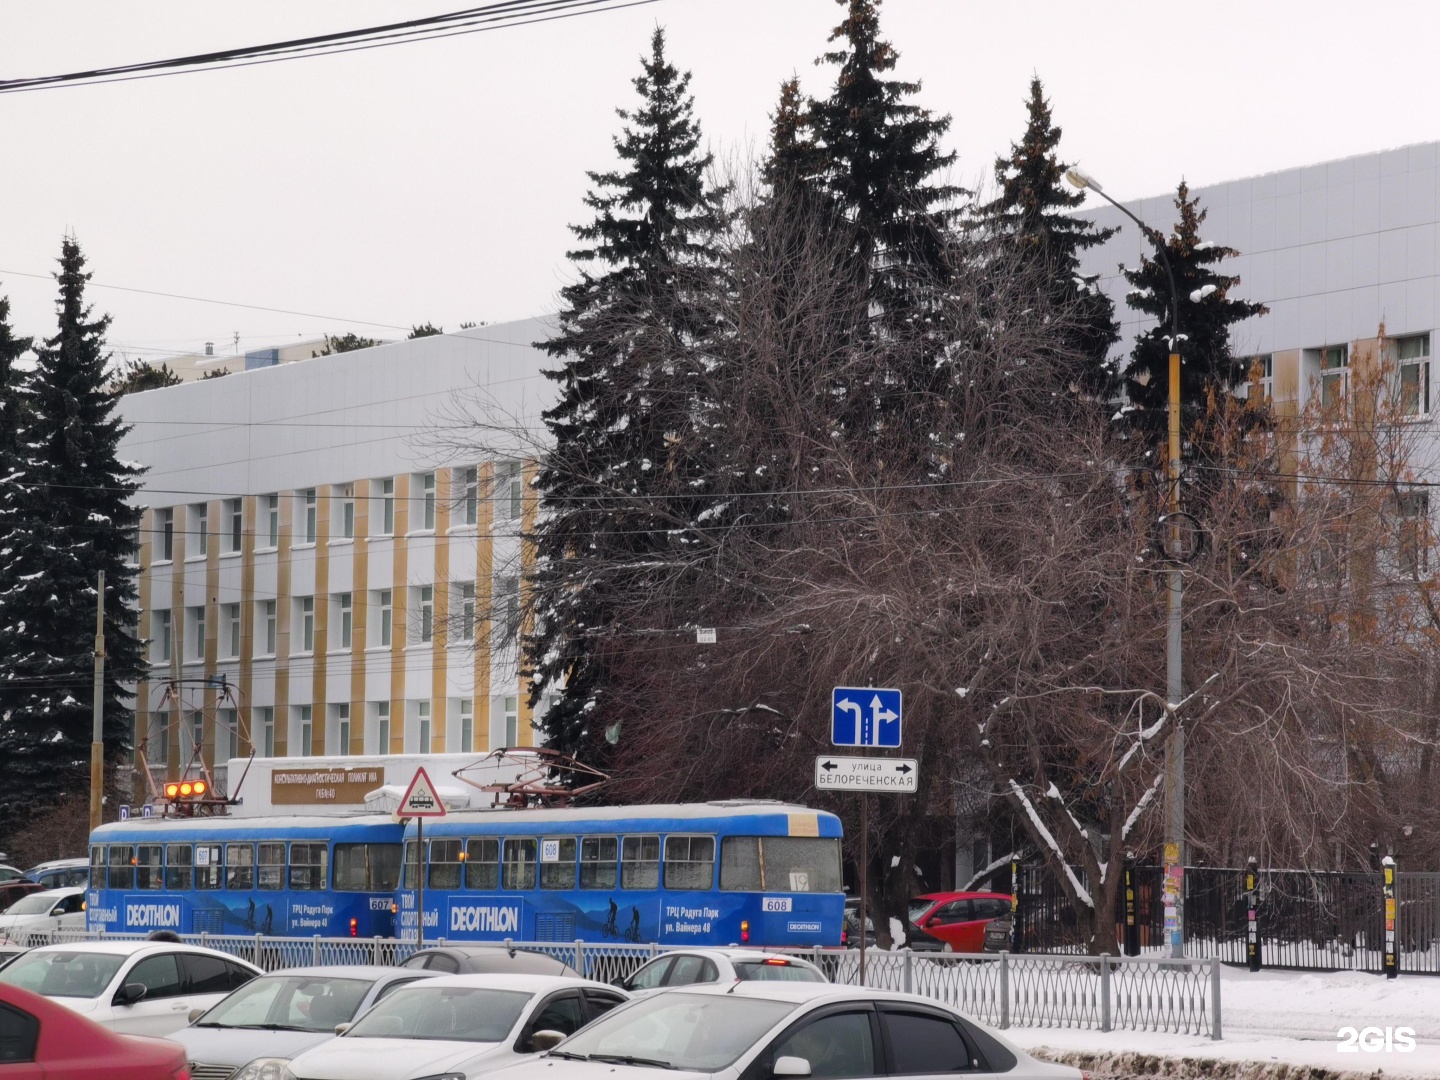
1140,993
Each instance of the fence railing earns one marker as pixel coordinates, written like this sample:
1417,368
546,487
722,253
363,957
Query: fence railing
1107,993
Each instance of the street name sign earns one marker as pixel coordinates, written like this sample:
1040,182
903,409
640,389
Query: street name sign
898,776
865,716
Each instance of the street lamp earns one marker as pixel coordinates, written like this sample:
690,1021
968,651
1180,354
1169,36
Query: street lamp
1175,746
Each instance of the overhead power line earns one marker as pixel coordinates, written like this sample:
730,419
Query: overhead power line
493,16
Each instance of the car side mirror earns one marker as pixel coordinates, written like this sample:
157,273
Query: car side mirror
195,1014
623,984
546,1039
790,1066
130,993
340,1029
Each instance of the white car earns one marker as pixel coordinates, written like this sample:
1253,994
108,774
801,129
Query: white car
759,1029
50,909
455,1026
690,967
137,987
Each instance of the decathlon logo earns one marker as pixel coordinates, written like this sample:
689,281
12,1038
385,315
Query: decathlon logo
485,918
152,916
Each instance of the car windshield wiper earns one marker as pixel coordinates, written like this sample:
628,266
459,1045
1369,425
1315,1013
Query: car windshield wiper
259,1027
630,1059
568,1055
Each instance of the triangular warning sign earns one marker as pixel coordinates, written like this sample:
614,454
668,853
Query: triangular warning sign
421,799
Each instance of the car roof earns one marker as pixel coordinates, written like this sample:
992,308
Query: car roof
800,992
532,984
736,953
964,896
57,864
130,948
61,892
348,971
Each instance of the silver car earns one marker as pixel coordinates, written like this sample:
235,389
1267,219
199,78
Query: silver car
285,1013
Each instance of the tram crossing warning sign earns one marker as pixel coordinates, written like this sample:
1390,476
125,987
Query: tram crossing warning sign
421,799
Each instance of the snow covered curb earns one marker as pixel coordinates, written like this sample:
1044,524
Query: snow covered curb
1136,1066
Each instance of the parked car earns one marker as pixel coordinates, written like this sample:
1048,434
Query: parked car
285,1013
61,1044
48,909
850,931
694,966
953,921
760,1029
137,987
455,1026
997,935
486,960
14,889
61,873
9,873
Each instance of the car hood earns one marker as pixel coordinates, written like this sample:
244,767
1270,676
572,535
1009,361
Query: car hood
79,1005
385,1059
237,1046
554,1068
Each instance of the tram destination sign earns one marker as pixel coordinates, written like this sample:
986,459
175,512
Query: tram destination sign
897,776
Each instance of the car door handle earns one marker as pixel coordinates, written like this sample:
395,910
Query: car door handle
183,1006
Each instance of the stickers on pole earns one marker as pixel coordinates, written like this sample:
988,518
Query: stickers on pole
421,799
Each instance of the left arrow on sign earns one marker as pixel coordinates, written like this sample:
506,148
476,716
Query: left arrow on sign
828,765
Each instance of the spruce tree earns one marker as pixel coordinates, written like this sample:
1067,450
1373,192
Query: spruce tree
84,523
623,430
1207,312
1034,207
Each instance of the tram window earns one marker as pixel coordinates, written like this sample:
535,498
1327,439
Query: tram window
122,866
640,862
519,863
740,864
689,862
559,873
209,866
412,861
240,866
482,863
801,863
444,864
177,867
97,867
597,862
149,866
308,865
272,865
367,867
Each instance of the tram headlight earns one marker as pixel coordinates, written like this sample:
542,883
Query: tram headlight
266,1068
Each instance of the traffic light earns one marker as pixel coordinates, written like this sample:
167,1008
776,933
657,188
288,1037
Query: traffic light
185,789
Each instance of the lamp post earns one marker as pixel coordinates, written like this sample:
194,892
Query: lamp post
1174,683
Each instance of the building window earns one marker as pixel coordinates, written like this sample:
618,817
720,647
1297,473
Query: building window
1263,371
507,610
162,635
511,490
347,511
512,721
427,489
193,743
386,525
232,630
312,514
467,611
1334,374
426,595
235,534
1413,355
467,725
342,728
469,496
159,740
265,721
197,633
133,555
272,520
306,607
227,733
422,726
384,607
382,727
165,529
345,603
268,626
1413,533
200,528
305,727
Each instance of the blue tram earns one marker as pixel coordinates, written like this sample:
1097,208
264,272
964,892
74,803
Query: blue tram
721,873
291,876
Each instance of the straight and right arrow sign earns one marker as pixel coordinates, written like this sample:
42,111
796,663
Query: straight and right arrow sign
898,776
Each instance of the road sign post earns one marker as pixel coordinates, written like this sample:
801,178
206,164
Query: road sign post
420,801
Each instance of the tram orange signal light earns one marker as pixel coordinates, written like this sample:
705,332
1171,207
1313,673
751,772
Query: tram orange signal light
185,789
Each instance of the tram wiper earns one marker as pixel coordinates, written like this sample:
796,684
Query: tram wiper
630,1059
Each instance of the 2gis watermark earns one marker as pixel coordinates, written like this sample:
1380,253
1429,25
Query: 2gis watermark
1375,1040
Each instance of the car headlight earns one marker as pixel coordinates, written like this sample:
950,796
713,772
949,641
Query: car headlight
266,1068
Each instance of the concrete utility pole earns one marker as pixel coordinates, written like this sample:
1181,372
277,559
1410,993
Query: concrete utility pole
1174,891
97,727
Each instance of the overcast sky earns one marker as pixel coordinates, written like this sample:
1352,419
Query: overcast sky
434,181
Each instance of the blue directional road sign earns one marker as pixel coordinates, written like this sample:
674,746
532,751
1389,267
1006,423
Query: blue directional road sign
865,716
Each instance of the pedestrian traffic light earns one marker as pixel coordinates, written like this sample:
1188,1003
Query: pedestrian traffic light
185,789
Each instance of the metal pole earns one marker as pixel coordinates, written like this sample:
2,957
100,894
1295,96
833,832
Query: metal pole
97,726
864,872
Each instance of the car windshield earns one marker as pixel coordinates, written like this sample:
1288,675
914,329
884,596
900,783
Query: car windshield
680,1031
34,904
455,1013
291,1002
776,971
918,907
64,973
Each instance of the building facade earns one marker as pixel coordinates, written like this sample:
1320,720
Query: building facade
329,564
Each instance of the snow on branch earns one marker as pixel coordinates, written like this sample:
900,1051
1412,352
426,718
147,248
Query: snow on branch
1049,840
1141,805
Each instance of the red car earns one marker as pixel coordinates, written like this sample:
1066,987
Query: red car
953,921
42,1038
